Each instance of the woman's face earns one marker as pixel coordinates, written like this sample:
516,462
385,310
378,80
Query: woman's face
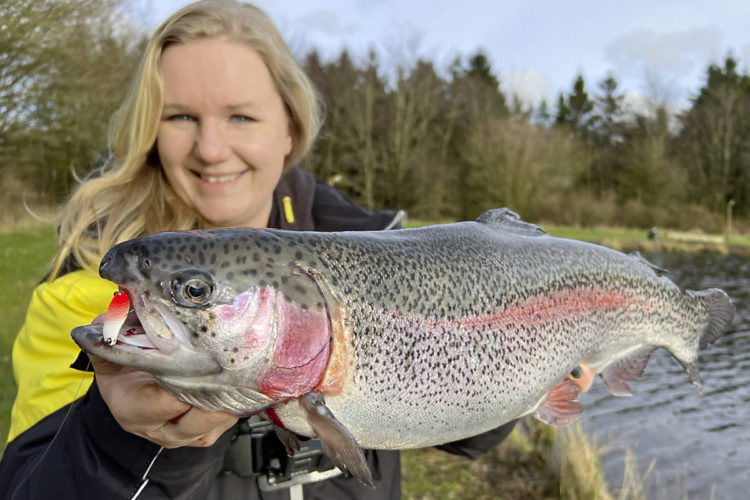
224,131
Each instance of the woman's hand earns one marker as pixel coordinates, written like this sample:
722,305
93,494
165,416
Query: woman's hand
144,408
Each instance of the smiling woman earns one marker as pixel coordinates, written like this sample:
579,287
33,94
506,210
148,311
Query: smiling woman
224,132
210,134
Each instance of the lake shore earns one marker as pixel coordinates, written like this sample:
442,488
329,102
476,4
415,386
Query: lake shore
663,241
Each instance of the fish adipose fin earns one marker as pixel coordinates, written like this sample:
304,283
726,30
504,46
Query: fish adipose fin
337,441
560,405
625,369
507,220
640,258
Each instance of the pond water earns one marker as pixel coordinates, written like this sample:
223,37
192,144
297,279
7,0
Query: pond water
701,445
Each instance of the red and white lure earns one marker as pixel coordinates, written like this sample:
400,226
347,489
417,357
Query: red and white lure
115,317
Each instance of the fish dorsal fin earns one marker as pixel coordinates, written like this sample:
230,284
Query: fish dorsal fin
640,258
560,405
627,368
505,219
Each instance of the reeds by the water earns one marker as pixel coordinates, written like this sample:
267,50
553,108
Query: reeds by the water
536,462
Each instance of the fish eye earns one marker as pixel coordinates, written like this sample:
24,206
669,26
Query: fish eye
190,290
577,372
196,290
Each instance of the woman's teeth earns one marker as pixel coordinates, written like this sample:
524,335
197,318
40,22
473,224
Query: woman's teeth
219,178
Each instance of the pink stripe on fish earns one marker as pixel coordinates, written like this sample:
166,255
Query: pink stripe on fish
557,305
535,310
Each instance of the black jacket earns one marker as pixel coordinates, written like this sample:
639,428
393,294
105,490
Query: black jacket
92,457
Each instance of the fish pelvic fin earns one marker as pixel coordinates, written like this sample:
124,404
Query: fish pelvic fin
560,406
337,441
626,368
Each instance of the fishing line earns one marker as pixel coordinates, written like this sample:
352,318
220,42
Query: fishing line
72,406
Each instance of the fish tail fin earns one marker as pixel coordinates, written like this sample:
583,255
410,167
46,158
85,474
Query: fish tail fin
720,311
720,314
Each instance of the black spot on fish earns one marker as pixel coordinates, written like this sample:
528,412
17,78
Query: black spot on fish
241,260
225,264
203,328
230,275
298,255
269,274
277,249
256,257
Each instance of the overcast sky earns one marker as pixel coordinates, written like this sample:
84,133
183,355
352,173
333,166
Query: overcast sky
654,48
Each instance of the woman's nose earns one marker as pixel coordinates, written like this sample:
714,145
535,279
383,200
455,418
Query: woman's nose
211,145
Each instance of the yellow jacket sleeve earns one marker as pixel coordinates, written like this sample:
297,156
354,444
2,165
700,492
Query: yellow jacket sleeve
44,349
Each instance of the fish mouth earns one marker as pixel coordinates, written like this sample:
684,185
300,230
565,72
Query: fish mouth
153,341
123,326
131,331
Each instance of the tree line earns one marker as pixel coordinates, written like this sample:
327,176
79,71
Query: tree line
438,143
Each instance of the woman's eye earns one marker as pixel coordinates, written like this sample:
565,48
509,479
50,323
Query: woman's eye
180,118
243,118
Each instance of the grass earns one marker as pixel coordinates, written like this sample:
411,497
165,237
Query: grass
536,462
24,255
629,239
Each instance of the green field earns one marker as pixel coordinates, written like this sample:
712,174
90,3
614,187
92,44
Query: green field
25,254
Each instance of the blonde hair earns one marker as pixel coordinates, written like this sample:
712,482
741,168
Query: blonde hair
130,195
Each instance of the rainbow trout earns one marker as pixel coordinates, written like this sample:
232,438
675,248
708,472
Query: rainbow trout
393,339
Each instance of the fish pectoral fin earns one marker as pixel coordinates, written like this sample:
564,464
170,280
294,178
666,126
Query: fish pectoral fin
337,441
560,405
626,368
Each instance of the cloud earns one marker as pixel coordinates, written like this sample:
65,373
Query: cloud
675,53
530,85
322,20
